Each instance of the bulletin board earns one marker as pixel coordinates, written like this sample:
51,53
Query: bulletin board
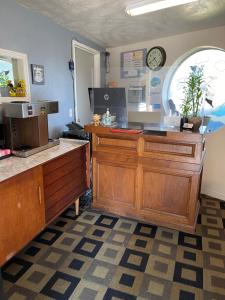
133,63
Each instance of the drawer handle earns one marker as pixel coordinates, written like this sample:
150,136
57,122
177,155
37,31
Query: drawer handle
39,194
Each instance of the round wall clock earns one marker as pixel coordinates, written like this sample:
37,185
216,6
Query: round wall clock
156,58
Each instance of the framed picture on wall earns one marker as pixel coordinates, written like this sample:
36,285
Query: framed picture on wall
38,76
132,63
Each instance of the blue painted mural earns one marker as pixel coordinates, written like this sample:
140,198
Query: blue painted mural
217,118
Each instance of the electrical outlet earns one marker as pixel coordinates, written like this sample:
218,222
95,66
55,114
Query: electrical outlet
70,112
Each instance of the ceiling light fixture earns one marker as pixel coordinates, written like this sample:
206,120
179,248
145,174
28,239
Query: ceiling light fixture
146,7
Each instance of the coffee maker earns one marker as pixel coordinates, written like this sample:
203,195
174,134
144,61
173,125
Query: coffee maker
26,126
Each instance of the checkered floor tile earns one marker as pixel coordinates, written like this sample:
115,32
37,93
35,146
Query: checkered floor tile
100,256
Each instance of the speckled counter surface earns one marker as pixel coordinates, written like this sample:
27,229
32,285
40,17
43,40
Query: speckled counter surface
12,166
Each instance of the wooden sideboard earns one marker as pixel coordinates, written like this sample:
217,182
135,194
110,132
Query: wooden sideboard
32,199
154,178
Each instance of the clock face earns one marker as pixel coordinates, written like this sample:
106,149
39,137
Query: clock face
156,58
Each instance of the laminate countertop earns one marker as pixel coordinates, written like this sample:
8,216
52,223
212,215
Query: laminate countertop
13,165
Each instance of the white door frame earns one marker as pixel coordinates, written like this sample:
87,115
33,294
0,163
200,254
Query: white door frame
97,67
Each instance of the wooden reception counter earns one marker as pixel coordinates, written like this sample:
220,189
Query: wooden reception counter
154,176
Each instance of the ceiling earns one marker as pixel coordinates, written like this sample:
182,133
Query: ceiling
106,23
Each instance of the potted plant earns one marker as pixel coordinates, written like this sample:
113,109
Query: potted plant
195,89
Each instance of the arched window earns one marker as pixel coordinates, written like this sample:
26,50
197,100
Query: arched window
213,62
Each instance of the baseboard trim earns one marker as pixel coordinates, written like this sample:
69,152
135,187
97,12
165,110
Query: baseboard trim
213,194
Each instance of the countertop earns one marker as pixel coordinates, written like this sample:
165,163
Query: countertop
160,127
152,128
13,165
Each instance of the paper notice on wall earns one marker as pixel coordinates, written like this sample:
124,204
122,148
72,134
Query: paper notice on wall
132,73
155,98
133,63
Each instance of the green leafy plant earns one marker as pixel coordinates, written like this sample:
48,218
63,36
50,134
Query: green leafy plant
4,78
186,107
193,92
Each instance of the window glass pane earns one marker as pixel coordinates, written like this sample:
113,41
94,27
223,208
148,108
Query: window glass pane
213,61
6,72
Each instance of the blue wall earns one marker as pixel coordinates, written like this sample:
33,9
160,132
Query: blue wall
45,43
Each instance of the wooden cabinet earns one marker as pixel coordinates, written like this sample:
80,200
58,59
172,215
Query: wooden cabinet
64,181
30,200
154,178
22,211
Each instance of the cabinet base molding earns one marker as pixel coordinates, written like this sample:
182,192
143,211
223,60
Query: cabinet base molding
153,220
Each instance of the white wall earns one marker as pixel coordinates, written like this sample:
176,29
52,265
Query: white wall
214,169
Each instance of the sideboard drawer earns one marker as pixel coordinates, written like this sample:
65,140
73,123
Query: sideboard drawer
64,181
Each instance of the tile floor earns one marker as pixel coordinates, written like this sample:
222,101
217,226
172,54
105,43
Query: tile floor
100,256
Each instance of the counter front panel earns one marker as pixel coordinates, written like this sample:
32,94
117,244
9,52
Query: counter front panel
150,177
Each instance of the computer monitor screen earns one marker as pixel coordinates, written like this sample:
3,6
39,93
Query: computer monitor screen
112,98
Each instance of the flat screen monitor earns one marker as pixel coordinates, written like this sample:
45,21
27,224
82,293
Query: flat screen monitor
112,98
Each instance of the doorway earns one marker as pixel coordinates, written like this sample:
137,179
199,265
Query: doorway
86,74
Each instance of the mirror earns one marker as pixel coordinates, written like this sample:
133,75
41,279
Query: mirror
14,78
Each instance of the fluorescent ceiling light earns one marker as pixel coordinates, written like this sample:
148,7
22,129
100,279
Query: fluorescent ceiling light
146,7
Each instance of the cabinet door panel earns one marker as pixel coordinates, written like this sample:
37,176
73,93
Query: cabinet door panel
22,211
166,192
116,185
